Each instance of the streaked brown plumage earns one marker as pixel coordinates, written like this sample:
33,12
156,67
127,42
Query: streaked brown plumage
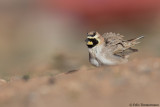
110,48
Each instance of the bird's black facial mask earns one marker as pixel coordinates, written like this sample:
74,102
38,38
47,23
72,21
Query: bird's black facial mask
91,42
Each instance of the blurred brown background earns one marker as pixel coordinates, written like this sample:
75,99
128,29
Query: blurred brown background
43,38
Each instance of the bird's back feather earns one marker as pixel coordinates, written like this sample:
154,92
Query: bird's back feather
120,47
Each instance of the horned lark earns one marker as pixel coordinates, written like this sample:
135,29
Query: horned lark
109,48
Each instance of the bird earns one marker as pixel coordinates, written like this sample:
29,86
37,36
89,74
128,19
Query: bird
109,48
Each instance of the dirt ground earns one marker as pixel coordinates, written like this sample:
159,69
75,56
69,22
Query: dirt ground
112,86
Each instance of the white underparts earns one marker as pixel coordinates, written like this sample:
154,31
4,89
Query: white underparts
99,57
94,62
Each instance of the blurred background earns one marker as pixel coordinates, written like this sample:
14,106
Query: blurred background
37,34
46,37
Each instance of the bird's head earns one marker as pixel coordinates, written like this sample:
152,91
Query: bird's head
93,39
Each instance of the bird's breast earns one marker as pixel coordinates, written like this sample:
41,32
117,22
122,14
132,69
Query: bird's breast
101,56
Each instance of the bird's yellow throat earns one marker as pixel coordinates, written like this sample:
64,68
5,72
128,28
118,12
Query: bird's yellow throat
89,43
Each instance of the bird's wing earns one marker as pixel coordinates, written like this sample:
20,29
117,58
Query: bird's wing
119,46
125,52
112,38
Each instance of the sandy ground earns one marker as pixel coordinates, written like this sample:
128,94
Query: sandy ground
113,86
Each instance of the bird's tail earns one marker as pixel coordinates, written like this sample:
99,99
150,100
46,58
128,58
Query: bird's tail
134,41
139,38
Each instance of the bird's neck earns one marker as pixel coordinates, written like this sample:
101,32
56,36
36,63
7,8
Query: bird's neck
101,40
